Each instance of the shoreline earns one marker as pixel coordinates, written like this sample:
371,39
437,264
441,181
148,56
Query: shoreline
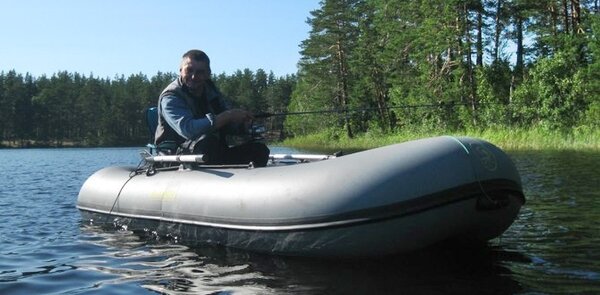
510,139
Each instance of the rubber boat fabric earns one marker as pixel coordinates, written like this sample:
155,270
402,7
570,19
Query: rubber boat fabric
387,200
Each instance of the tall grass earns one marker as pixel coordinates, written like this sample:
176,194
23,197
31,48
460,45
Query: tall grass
505,138
540,139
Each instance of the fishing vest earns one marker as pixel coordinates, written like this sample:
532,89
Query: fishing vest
211,102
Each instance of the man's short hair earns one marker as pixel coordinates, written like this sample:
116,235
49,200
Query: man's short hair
197,55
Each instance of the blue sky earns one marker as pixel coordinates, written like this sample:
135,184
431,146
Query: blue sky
124,37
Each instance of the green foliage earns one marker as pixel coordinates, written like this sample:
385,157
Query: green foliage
325,58
507,138
493,91
444,65
553,95
304,99
591,118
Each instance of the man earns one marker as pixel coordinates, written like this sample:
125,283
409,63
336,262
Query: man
193,114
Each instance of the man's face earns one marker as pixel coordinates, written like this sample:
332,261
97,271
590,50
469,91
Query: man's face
194,74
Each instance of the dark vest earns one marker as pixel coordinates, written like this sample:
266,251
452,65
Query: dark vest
210,102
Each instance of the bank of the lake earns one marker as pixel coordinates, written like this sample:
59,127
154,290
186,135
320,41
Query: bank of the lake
511,139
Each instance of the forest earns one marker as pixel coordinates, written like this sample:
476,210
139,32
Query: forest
382,66
70,109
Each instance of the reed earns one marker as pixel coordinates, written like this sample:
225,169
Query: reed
505,138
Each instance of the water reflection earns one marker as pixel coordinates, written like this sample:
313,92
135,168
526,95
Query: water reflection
558,227
160,265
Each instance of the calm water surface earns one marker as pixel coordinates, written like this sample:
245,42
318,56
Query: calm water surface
45,247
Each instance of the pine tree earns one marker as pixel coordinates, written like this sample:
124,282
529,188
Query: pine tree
325,58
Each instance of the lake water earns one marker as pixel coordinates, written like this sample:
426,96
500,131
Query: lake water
45,247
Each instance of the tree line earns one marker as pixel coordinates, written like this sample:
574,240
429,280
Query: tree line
74,109
423,65
450,64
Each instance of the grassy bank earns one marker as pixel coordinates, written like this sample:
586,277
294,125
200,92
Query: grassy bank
509,139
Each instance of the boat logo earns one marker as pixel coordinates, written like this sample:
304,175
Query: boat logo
163,195
486,158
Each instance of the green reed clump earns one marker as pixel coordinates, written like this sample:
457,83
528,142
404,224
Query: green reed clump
540,138
506,138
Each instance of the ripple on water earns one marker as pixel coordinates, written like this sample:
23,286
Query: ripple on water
553,247
164,267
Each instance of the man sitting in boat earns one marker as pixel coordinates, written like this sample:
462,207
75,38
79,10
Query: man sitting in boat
193,114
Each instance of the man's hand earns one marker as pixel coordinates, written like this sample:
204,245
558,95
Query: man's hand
235,116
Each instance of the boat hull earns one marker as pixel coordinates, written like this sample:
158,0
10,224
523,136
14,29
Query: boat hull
382,201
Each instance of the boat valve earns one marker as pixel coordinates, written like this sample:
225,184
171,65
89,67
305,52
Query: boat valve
492,201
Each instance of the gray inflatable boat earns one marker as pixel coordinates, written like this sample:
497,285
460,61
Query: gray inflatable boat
382,201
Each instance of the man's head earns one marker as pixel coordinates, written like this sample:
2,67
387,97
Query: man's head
195,70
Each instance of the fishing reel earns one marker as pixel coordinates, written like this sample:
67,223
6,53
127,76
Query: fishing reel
249,133
257,131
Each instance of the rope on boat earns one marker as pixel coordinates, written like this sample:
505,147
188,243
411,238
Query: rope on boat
133,173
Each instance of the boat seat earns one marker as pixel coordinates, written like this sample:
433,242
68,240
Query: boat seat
167,147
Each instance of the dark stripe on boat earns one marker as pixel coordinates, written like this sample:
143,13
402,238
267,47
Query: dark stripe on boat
493,189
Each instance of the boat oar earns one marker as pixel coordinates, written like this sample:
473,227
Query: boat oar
301,157
175,159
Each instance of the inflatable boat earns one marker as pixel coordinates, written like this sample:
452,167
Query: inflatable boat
381,201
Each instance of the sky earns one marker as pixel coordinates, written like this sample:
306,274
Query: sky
110,38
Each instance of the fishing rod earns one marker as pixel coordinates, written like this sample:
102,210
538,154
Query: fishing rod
267,114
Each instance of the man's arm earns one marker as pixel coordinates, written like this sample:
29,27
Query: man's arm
179,116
